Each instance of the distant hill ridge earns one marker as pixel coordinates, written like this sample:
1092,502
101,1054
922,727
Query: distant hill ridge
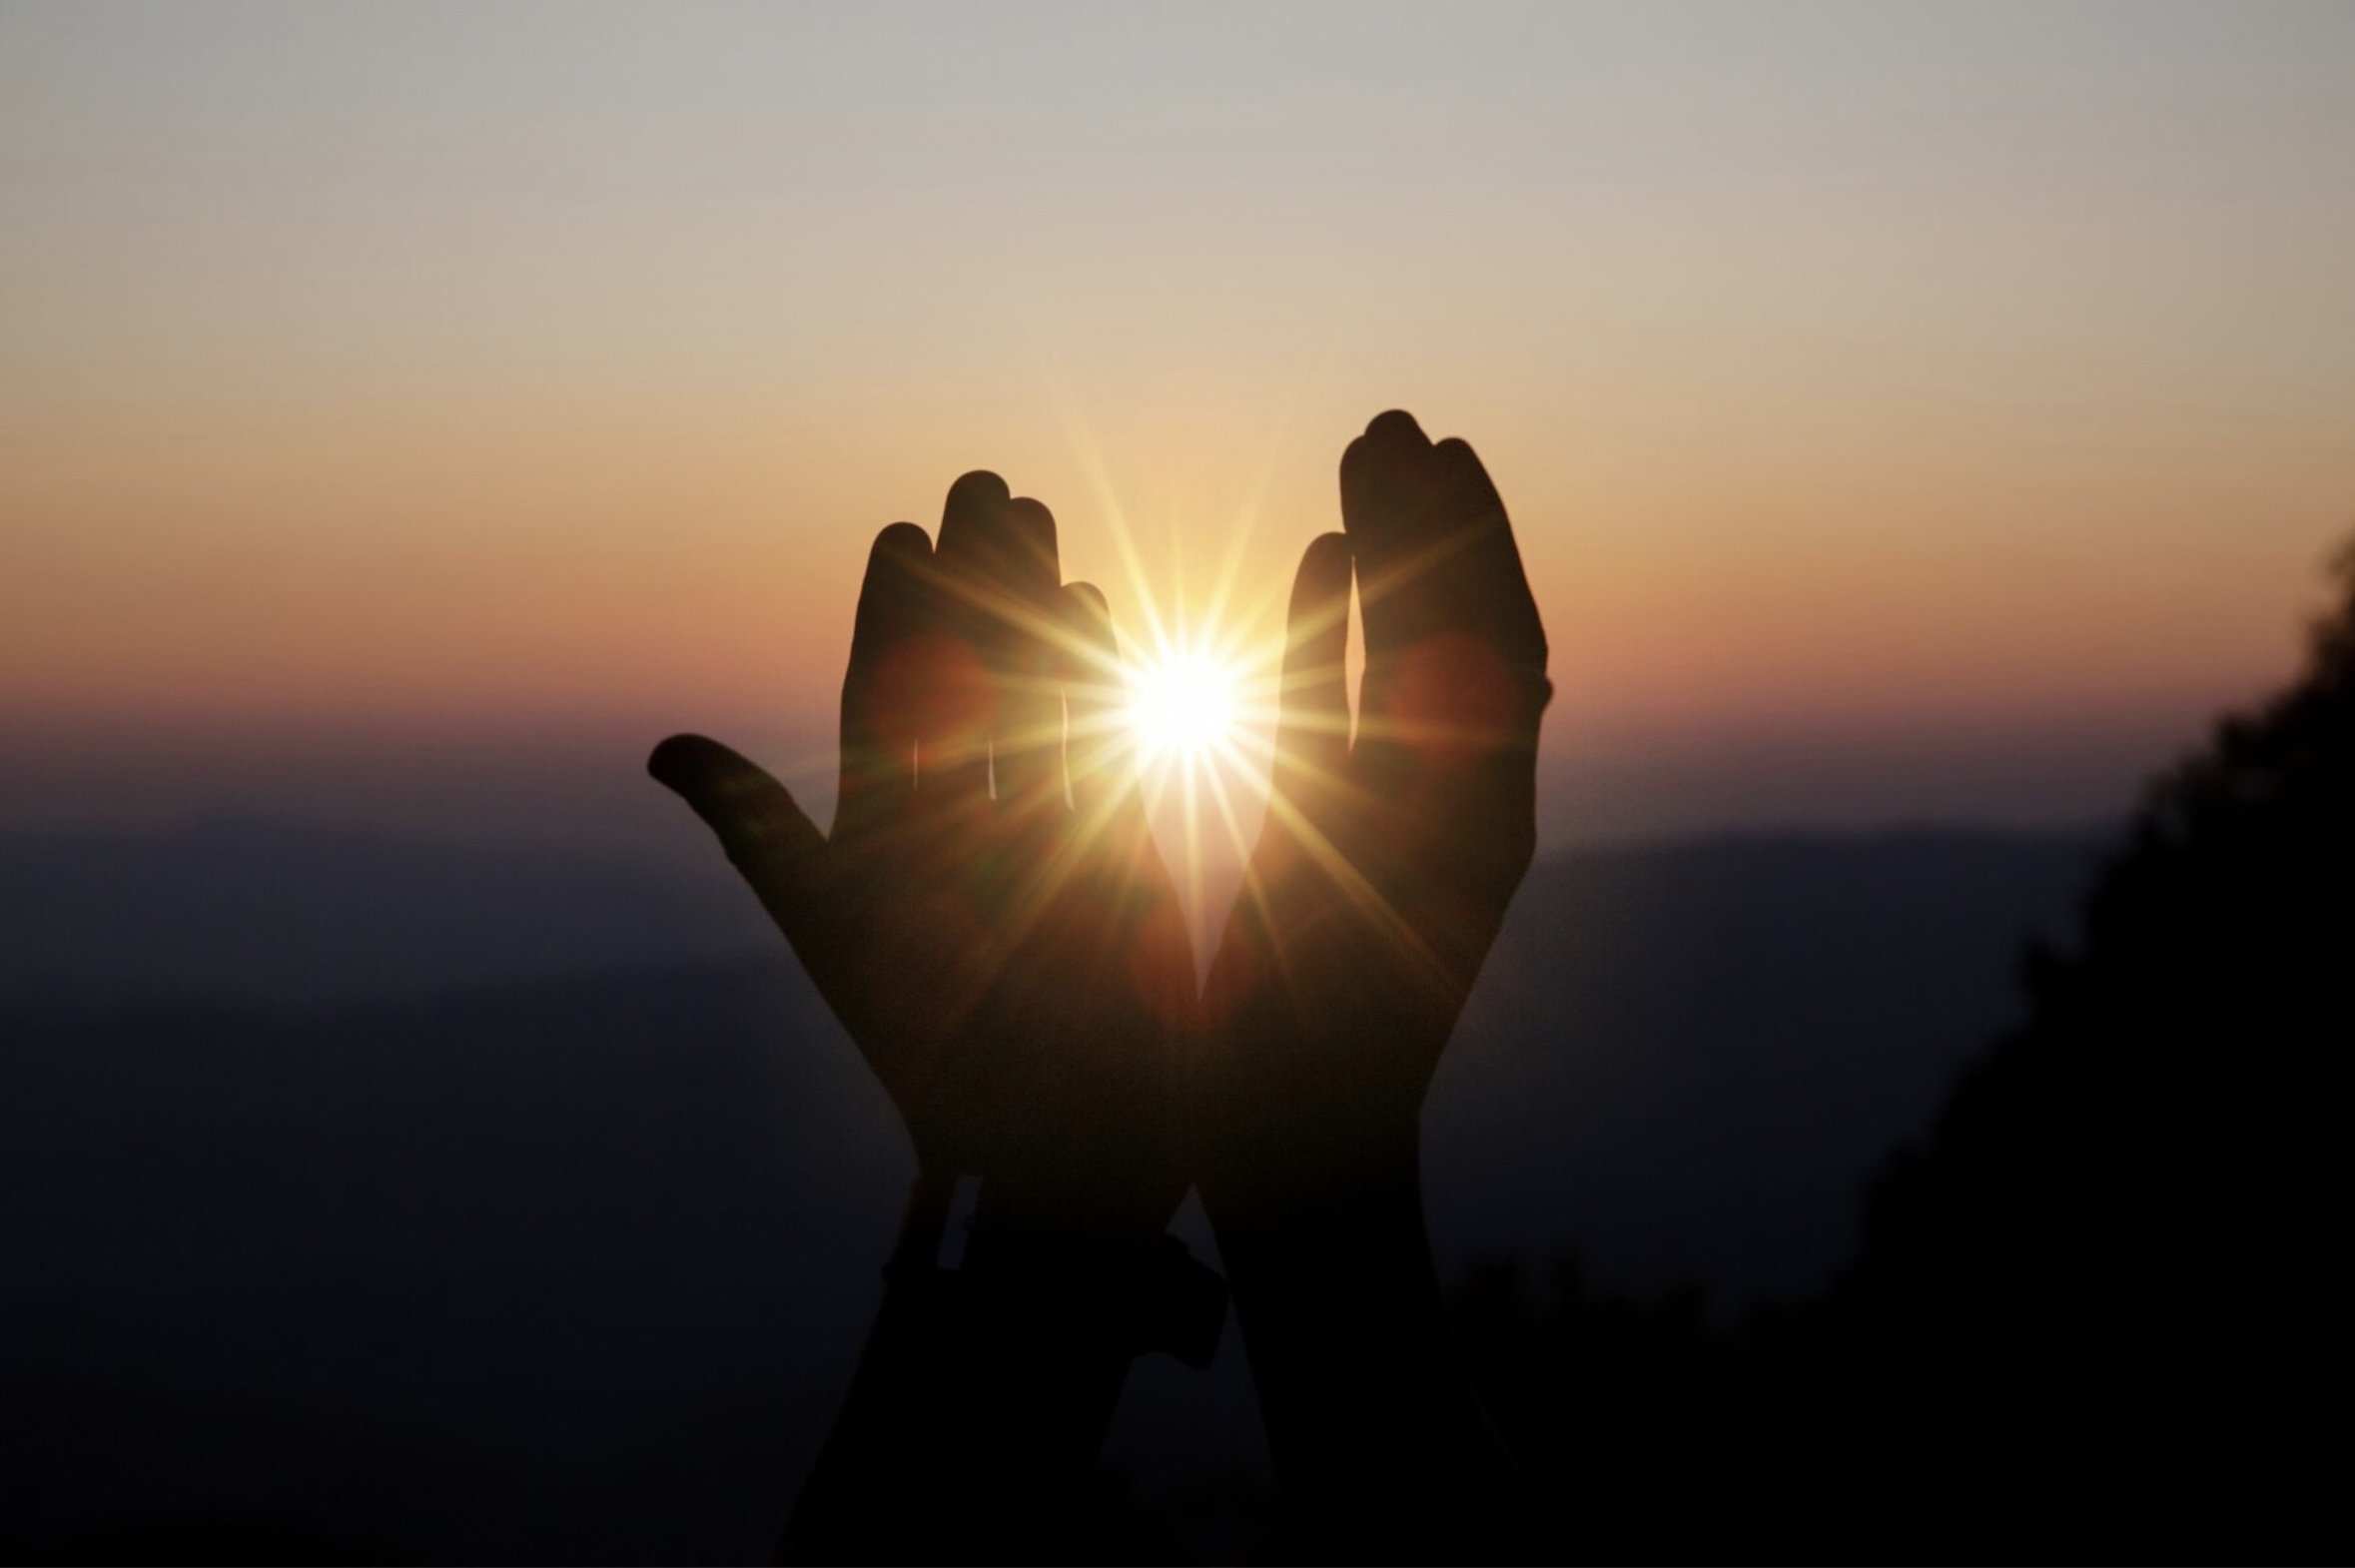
520,1156
312,916
271,912
1683,1058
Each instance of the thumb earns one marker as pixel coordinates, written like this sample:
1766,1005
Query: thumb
766,836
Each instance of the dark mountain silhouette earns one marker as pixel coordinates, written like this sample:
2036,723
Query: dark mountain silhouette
2101,1309
1683,1059
588,1260
543,1235
284,912
2132,1214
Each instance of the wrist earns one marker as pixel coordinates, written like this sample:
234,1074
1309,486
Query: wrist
1292,1185
1309,1243
1011,1271
1324,1237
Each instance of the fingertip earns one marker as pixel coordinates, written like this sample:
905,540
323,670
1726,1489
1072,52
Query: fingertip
969,517
1319,612
997,539
738,799
676,760
1461,468
1097,603
904,540
894,599
1394,425
1324,574
704,773
980,485
1092,609
1091,649
1377,468
1326,554
1036,546
710,777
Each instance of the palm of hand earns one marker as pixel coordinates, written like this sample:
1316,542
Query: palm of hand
1386,866
1018,978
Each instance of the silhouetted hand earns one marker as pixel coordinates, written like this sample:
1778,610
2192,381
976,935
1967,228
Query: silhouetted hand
989,921
1374,892
1014,965
1384,868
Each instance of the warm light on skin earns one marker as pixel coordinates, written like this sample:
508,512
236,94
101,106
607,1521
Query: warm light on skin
1181,707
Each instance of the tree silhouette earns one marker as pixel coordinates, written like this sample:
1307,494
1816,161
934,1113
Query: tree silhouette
2114,1267
2101,1309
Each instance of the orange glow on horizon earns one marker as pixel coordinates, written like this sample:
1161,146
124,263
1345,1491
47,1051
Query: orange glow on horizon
1973,377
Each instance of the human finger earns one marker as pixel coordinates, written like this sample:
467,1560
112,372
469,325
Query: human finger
1455,652
1384,474
1026,742
954,754
768,839
1313,698
1094,698
884,690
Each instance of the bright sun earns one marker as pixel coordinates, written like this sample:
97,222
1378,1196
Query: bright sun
1181,707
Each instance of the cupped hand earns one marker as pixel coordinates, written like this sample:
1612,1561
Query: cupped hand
988,918
1387,861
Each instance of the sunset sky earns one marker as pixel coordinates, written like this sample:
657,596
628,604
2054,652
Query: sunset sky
410,413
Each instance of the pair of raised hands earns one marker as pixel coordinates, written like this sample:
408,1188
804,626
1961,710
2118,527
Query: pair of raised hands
990,920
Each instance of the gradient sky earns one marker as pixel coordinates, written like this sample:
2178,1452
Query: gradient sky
1905,411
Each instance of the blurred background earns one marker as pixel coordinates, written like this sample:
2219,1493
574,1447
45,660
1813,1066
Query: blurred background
1918,423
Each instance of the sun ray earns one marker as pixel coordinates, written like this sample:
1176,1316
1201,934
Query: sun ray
1198,684
1234,832
1363,894
1091,460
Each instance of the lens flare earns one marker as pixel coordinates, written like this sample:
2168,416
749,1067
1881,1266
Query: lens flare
1185,712
1181,707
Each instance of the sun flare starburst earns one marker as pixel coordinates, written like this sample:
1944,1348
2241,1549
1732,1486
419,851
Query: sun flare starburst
1187,709
1181,706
